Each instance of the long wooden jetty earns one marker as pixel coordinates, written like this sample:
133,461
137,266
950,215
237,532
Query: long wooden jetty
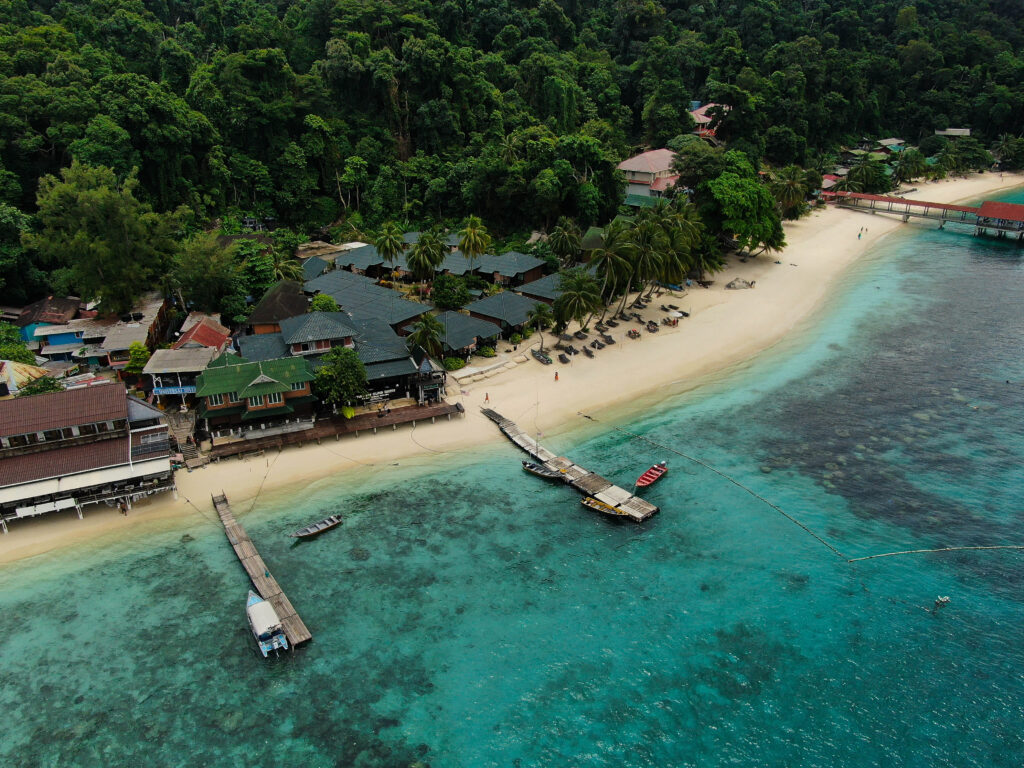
583,480
265,584
1001,218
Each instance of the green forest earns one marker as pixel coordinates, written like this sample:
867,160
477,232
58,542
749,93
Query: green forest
198,113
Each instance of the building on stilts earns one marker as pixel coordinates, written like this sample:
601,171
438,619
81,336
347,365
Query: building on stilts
66,450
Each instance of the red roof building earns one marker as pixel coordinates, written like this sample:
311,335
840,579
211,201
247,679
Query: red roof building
65,450
205,332
649,174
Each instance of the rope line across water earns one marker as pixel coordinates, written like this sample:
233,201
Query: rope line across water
735,482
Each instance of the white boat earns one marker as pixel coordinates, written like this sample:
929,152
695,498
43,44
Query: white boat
265,625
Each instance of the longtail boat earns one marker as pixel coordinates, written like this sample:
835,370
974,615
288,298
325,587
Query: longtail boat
541,471
600,506
317,528
651,475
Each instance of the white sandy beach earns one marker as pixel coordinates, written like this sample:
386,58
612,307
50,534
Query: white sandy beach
725,328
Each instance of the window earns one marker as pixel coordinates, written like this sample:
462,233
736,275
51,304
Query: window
52,434
274,398
232,397
87,429
298,386
256,402
215,400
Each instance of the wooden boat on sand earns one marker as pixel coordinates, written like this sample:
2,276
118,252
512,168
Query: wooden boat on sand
651,475
599,506
317,528
541,471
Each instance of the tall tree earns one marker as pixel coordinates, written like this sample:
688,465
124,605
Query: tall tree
789,188
389,243
540,317
426,335
580,296
426,256
203,272
474,241
115,246
341,377
613,260
565,241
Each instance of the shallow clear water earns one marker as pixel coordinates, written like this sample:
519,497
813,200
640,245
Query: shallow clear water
469,615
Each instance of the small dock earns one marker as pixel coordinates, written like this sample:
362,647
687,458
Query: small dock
582,479
265,584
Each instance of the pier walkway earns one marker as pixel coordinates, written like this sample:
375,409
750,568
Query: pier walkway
583,480
265,584
1001,218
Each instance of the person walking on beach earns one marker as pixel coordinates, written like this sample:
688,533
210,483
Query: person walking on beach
556,375
487,397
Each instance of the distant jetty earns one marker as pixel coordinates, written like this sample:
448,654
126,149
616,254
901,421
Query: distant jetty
1001,219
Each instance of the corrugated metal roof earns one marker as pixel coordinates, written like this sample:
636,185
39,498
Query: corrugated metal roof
285,299
1005,211
264,346
188,360
313,267
363,298
266,376
66,460
316,326
508,307
462,330
652,161
103,402
389,368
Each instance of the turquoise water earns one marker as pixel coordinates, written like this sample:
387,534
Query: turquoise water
456,628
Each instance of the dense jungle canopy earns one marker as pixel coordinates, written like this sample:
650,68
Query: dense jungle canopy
314,111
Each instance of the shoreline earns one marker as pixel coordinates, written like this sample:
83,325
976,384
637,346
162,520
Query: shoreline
726,328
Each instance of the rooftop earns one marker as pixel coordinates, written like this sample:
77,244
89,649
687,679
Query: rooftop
1004,211
189,360
54,410
53,310
361,258
64,460
313,267
123,334
652,161
700,115
263,346
362,298
462,330
506,306
204,332
250,379
284,300
316,326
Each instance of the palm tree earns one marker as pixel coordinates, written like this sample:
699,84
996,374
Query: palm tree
389,243
580,296
649,246
540,317
612,259
474,240
508,147
426,256
565,241
286,267
951,159
846,184
789,188
1004,146
426,335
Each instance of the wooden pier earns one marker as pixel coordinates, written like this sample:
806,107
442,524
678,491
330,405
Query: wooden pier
266,585
583,480
1004,219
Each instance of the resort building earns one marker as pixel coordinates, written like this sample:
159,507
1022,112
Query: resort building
240,396
464,334
546,289
284,300
200,330
361,298
173,372
145,324
317,332
45,312
702,120
65,450
648,176
509,311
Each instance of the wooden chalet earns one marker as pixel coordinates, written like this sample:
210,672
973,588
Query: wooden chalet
241,395
66,450
285,299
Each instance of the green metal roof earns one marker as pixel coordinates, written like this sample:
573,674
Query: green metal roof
250,379
462,330
506,306
594,238
261,413
641,201
389,368
227,358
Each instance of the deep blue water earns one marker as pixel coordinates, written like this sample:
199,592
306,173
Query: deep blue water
469,615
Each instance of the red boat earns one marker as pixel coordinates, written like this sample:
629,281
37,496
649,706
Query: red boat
651,475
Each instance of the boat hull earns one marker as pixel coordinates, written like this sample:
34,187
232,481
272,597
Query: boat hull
651,476
317,528
605,509
542,471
